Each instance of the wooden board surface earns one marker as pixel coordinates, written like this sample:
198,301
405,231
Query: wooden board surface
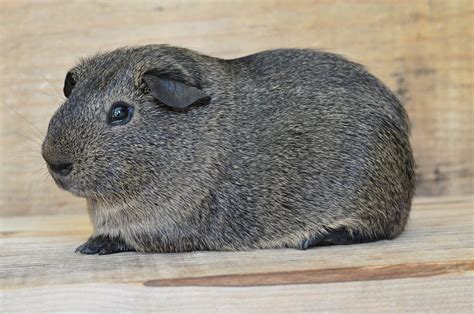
428,268
422,49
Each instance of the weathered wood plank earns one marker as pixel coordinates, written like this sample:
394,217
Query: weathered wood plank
446,294
429,267
422,49
348,274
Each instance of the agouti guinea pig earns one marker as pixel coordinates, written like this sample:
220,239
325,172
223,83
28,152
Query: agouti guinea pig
176,151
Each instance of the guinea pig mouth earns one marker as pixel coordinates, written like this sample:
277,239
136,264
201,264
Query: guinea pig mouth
71,188
61,182
67,184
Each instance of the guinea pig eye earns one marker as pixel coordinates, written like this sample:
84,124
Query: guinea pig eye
120,113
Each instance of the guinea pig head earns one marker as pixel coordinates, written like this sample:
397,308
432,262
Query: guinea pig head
124,126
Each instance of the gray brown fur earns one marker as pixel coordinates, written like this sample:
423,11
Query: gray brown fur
295,148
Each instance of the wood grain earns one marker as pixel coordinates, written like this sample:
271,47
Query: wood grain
347,274
428,268
422,49
449,294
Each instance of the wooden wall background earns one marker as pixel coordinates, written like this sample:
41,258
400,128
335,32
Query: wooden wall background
423,50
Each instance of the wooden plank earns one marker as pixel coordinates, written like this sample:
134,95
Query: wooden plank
446,294
429,267
347,274
422,49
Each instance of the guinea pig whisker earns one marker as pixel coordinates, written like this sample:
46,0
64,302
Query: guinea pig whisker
34,167
38,171
33,159
30,136
45,177
32,131
35,141
26,121
28,154
40,174
56,89
51,95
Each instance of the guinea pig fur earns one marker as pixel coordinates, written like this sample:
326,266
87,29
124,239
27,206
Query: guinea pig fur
176,151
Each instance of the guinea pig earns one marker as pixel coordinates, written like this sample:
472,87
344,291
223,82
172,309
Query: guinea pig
176,151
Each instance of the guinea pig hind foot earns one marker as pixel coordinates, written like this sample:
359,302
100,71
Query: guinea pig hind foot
340,236
103,244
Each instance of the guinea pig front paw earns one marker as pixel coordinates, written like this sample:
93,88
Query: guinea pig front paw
103,245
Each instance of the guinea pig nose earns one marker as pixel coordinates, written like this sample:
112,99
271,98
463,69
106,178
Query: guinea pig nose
62,169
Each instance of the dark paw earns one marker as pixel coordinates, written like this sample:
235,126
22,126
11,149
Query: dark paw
103,245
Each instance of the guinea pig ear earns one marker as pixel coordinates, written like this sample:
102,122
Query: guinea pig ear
171,92
69,83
